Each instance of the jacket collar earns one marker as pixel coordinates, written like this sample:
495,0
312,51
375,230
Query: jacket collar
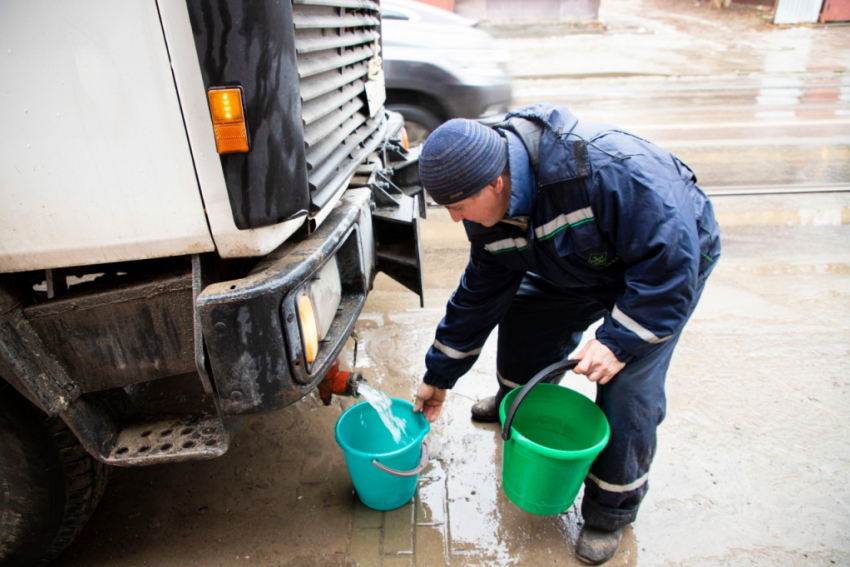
523,180
550,134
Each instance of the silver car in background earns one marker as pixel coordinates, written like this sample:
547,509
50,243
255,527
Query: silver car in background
439,66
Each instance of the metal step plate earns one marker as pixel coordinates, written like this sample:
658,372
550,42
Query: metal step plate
177,439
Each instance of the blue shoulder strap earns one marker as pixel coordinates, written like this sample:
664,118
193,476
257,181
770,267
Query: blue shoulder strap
530,130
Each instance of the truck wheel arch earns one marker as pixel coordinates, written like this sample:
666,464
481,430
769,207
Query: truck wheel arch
49,485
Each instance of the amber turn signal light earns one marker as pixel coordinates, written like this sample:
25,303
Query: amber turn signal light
231,133
405,140
309,331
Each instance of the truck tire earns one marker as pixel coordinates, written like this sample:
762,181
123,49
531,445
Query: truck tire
49,485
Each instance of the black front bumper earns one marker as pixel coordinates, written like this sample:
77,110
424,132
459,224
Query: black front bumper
250,326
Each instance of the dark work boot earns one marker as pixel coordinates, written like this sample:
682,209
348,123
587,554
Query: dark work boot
595,546
486,410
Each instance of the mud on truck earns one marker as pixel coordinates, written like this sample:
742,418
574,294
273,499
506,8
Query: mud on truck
196,198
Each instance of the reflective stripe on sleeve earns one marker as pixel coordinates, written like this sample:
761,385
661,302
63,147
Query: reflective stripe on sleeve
636,327
506,245
618,487
562,221
453,353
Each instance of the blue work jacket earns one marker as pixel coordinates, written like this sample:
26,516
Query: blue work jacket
594,209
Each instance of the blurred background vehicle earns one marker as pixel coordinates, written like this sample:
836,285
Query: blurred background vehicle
439,66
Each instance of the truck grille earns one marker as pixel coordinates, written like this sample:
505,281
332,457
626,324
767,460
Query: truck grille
334,40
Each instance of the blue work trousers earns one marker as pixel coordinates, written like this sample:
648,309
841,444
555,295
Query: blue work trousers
544,325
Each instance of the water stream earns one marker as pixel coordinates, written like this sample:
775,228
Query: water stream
383,405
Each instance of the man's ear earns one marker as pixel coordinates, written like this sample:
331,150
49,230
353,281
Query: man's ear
498,184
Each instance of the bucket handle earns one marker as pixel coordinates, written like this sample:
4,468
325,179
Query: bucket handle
561,366
423,462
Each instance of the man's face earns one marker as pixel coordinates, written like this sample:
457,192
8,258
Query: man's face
486,208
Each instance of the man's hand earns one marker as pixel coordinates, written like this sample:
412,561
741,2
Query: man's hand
598,363
429,400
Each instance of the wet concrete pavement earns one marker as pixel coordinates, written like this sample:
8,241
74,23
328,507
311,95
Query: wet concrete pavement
725,91
754,457
674,38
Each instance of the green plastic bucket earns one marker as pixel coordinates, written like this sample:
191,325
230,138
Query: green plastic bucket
384,472
552,435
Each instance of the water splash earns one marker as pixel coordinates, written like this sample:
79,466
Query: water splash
383,405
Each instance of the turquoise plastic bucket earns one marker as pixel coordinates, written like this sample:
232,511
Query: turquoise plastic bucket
551,437
384,472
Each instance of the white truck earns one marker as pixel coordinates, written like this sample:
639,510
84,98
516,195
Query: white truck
196,198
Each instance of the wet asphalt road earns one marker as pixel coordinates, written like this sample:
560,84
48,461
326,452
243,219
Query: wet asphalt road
754,457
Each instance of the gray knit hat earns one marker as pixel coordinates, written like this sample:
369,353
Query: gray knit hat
460,158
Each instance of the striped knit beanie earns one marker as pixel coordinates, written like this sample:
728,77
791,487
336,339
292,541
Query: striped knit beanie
460,158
